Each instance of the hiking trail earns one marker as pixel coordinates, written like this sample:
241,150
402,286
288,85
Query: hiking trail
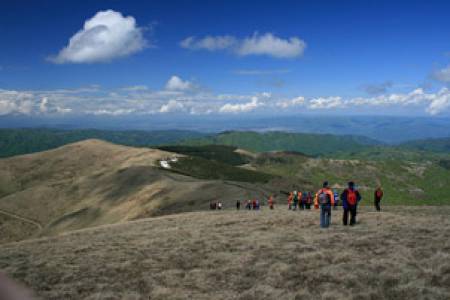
24,219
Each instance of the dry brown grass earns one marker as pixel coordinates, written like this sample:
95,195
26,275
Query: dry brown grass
401,253
93,183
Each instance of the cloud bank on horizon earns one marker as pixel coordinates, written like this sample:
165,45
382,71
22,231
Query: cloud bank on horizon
109,35
182,96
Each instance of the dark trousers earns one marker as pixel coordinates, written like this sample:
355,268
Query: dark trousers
352,210
377,204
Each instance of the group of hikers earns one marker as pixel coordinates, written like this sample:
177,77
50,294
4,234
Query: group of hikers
325,199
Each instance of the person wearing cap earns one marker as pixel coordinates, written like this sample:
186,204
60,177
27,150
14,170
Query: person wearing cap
350,198
325,200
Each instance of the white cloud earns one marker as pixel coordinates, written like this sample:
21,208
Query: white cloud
113,112
175,83
297,101
439,102
211,43
415,97
62,110
172,106
15,102
135,88
105,36
43,106
15,107
7,107
122,101
443,74
326,103
266,44
243,107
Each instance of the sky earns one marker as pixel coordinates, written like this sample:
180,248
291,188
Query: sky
127,58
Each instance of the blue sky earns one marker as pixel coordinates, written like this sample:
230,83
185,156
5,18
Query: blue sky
224,57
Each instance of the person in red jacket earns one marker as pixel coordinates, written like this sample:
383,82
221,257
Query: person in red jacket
270,202
378,194
290,199
350,198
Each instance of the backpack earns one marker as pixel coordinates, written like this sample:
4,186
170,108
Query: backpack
324,198
351,197
379,194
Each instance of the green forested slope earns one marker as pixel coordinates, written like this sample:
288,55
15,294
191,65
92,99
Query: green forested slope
29,140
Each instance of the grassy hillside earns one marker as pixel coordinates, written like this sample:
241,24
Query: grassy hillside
219,153
441,145
209,169
404,182
91,183
310,144
401,253
28,140
383,153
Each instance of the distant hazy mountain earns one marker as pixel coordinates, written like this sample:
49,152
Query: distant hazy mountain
307,143
389,129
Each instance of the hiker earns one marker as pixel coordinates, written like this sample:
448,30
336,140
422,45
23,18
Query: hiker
257,204
378,194
290,198
254,203
325,200
212,205
238,204
249,204
350,198
270,202
219,205
336,199
295,200
308,200
301,200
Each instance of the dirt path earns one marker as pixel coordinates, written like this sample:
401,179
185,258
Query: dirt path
14,216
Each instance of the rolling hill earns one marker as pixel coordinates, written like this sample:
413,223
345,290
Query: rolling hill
404,182
30,140
91,183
